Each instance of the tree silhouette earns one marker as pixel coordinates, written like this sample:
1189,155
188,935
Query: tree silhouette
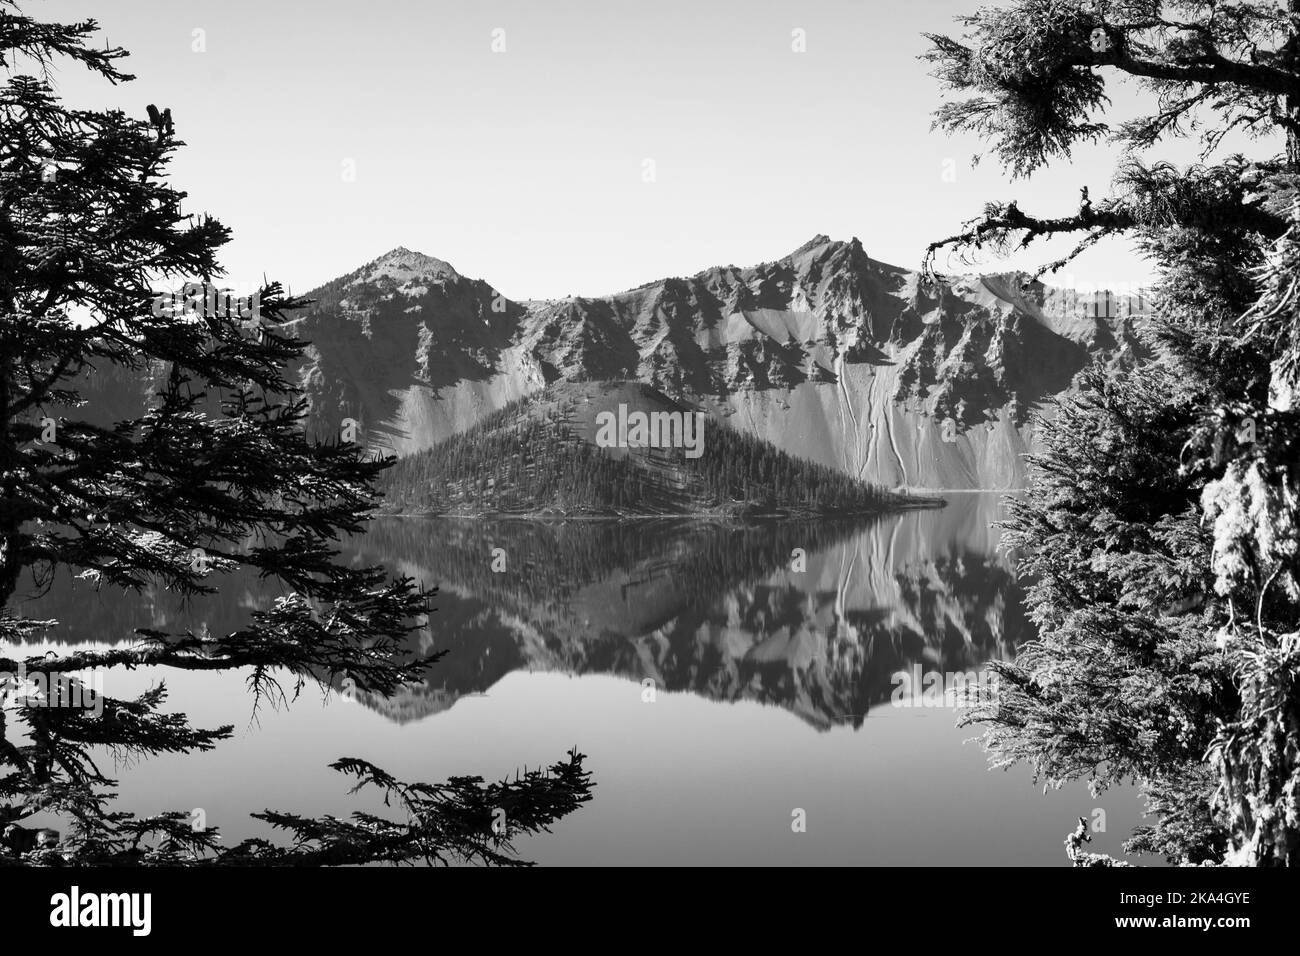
217,474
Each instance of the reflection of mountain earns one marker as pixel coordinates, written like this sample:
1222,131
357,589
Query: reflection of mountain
713,608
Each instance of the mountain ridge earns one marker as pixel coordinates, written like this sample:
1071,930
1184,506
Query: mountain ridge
826,354
830,355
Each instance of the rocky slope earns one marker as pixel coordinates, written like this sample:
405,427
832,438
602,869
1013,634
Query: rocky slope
826,353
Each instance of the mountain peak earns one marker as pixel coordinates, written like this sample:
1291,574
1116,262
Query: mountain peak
402,265
816,242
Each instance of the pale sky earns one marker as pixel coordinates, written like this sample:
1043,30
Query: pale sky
527,167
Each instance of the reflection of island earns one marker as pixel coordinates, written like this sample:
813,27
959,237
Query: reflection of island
713,608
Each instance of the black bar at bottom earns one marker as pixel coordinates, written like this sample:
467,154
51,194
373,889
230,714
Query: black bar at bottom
332,906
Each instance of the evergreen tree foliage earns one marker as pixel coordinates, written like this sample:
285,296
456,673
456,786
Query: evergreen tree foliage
216,475
529,458
1158,532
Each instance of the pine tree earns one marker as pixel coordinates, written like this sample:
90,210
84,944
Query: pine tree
216,475
1158,532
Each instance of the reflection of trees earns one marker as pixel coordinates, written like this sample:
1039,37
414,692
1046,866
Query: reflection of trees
701,607
548,560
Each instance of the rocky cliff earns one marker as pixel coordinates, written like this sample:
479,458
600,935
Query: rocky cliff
827,353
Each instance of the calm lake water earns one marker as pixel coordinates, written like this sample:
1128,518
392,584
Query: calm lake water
715,688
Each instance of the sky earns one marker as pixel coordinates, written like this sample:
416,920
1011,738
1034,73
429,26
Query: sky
568,147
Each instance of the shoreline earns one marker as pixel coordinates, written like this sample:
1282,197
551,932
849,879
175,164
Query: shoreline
913,504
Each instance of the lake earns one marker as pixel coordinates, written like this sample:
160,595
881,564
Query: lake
723,680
